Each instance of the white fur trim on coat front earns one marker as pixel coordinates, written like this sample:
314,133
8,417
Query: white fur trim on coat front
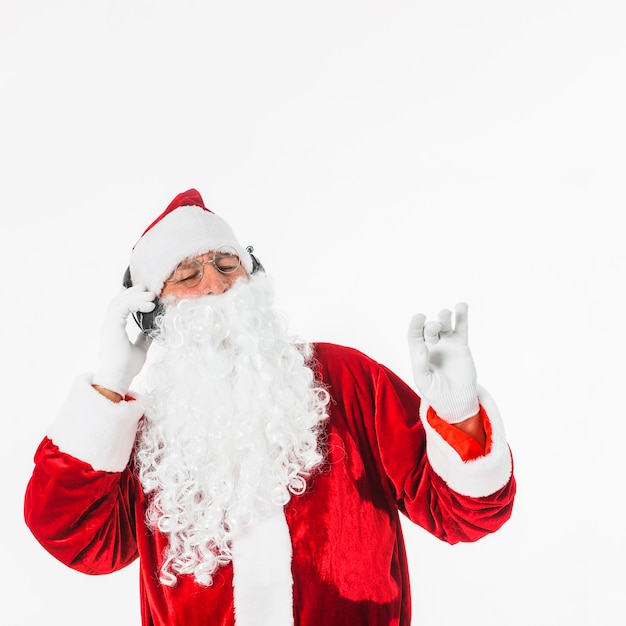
94,429
479,477
262,579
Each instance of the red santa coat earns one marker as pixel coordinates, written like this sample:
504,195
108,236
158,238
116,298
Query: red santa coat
346,554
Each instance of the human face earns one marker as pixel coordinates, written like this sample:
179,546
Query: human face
213,282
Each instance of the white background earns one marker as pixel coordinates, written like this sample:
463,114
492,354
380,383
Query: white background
384,158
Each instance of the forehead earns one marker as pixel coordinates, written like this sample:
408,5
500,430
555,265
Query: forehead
207,256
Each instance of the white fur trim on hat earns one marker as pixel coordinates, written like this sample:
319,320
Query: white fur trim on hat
185,232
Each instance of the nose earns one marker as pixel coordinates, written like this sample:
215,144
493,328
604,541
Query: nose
213,281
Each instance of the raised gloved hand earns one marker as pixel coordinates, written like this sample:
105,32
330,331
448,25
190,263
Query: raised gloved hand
120,359
443,367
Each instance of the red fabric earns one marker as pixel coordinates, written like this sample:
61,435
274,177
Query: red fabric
465,445
349,564
191,197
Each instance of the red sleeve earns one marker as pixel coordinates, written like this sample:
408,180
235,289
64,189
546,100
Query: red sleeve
84,518
421,493
381,413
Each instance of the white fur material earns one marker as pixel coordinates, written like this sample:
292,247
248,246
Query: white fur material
262,580
186,232
94,429
479,477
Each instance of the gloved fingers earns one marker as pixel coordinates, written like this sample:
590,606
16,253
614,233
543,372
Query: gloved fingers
432,332
145,306
138,298
445,320
416,328
460,319
420,356
131,300
421,331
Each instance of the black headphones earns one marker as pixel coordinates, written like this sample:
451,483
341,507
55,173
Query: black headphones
146,321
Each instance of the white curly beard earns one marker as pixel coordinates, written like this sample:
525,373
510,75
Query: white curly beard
232,426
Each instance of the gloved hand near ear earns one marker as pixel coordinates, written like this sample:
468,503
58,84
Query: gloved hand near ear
443,367
120,359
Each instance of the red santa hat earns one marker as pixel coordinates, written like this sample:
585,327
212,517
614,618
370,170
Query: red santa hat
184,230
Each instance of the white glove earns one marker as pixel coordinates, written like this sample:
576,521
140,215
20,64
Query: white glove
443,367
120,359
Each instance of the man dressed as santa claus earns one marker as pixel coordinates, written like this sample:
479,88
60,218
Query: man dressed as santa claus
258,478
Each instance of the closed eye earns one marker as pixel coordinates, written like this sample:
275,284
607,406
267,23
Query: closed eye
188,275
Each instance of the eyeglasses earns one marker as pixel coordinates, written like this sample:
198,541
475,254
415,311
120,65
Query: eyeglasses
189,273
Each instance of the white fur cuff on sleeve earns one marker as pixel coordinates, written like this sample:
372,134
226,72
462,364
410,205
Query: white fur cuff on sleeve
94,429
479,477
